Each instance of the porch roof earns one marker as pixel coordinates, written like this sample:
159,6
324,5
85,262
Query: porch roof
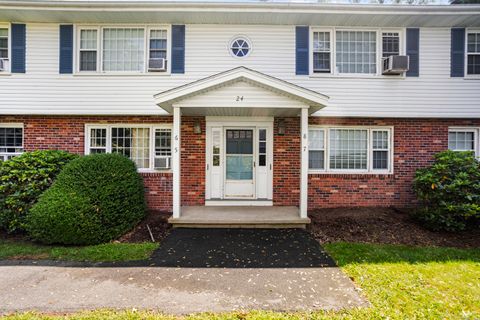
241,91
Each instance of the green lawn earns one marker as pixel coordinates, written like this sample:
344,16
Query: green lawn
400,282
104,252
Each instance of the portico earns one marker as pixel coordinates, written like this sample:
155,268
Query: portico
240,108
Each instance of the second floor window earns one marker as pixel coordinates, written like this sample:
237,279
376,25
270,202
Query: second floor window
115,49
390,44
321,52
473,53
3,43
356,52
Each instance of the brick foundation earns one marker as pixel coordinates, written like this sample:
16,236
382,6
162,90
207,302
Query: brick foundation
415,141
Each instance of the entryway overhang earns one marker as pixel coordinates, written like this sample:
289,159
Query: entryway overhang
241,92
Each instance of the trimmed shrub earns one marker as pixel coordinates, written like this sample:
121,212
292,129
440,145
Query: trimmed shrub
95,199
22,181
449,191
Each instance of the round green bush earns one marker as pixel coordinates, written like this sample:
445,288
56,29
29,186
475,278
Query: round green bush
22,181
449,191
95,199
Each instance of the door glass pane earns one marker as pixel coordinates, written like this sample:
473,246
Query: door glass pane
239,155
239,167
215,148
262,147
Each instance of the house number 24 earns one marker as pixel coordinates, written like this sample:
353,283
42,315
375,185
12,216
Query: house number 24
239,98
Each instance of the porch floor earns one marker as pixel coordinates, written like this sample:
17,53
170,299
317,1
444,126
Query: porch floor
240,217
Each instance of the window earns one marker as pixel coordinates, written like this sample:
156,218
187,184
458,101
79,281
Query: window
148,146
356,52
3,43
321,52
120,49
350,149
262,147
11,141
316,149
158,44
390,44
123,49
463,139
473,53
163,148
380,149
88,50
240,47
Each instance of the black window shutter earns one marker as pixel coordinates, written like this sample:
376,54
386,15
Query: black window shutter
18,48
66,49
413,51
301,50
457,52
178,49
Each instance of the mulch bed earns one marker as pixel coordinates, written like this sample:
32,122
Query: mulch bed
383,225
158,223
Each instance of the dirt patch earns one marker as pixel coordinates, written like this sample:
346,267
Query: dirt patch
38,256
383,225
157,221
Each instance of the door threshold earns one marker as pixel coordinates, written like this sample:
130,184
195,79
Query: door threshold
239,202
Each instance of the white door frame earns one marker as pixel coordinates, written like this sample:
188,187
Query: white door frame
254,123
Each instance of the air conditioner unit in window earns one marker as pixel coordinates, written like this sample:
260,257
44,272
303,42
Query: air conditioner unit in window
162,163
3,66
157,64
395,65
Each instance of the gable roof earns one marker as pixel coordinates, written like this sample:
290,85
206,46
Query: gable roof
304,97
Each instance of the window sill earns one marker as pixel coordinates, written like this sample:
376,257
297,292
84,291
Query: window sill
5,73
472,77
154,172
356,76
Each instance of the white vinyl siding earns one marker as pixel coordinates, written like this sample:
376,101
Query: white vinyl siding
350,150
42,91
143,144
464,139
11,140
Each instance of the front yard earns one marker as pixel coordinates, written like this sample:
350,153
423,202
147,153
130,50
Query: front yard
109,252
400,282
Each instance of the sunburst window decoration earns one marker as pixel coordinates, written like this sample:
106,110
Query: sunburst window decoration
240,47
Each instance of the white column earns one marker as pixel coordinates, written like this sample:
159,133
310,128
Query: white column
176,162
304,164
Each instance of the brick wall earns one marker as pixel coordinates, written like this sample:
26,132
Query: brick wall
415,141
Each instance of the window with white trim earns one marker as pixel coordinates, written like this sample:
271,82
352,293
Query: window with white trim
464,139
341,51
390,44
3,43
4,48
11,141
473,53
345,149
321,52
356,52
149,146
120,49
316,149
88,50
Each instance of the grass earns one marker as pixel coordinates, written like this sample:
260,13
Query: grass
108,252
400,282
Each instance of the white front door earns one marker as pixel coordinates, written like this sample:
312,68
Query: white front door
239,161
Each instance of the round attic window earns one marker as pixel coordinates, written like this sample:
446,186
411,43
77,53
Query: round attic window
240,47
